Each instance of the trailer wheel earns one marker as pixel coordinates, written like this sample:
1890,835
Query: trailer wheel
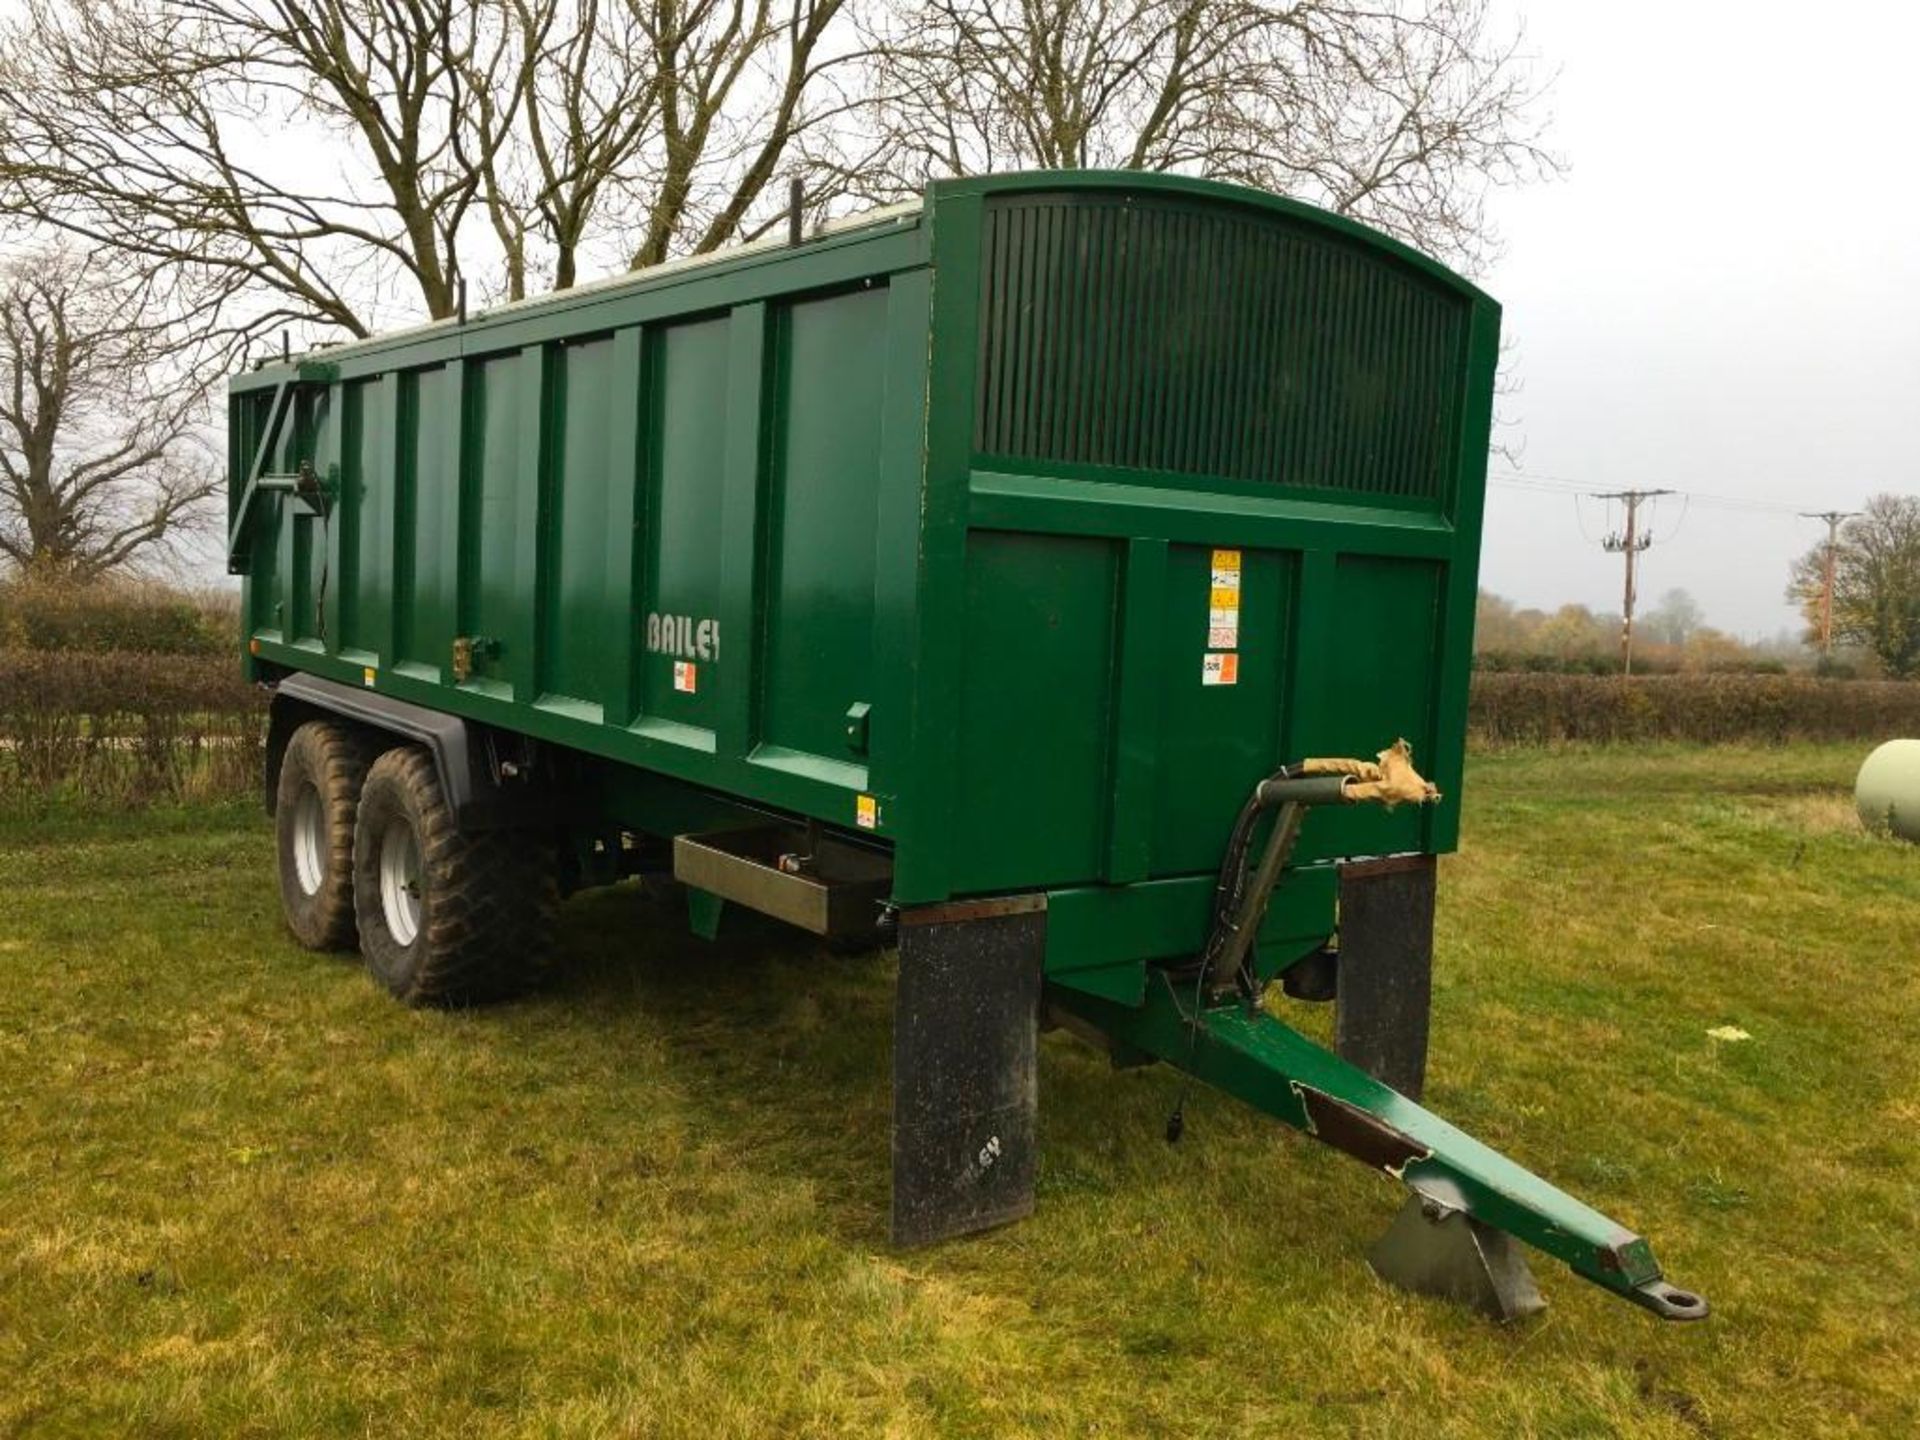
447,917
314,806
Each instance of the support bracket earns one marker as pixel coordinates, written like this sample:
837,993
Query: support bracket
1432,1249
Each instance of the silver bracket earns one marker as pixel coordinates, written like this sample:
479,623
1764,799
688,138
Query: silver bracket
1433,1249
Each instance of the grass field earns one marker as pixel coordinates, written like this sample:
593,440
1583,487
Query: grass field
242,1193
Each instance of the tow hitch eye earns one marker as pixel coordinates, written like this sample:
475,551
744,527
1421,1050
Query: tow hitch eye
1670,1302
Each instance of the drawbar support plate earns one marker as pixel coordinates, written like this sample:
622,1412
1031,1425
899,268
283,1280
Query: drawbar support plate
1433,1250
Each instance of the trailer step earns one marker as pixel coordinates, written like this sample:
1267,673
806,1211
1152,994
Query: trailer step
793,873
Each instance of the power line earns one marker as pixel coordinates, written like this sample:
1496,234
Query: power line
1686,504
1563,484
1631,539
1692,497
1580,519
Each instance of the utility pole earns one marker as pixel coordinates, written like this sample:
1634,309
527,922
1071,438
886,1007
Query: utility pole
1833,519
1629,543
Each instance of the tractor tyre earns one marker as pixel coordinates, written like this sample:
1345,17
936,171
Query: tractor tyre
447,917
315,804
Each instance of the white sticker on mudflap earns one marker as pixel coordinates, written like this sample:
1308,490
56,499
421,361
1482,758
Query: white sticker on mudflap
1220,669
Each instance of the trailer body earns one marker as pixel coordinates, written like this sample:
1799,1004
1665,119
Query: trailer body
996,547
861,530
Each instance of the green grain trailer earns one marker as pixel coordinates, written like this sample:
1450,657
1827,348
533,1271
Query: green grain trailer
974,572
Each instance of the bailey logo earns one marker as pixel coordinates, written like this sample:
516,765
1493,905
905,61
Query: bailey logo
684,636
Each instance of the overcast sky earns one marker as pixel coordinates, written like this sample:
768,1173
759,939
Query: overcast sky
1721,296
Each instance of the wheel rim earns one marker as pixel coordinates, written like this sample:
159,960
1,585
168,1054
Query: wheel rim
309,841
400,882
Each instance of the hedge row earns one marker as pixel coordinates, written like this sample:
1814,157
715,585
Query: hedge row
38,614
1509,709
1536,662
119,728
134,728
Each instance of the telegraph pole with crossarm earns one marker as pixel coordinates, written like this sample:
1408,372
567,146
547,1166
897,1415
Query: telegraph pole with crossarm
1629,542
1833,519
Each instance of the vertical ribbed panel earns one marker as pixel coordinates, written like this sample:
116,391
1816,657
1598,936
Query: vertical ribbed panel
1199,339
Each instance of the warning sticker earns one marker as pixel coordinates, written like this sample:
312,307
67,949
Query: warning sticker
368,674
1220,669
866,812
1223,612
685,676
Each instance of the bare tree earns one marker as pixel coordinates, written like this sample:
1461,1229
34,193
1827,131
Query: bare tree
1401,114
326,161
566,98
340,164
103,460
664,120
192,133
742,84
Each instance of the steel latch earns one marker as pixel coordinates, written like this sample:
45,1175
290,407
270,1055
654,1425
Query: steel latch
856,726
470,651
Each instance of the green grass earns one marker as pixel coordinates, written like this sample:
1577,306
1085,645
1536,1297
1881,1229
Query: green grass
242,1193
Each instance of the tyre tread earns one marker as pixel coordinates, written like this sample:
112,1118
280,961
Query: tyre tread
339,757
493,897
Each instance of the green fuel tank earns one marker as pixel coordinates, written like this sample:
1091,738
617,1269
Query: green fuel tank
1888,790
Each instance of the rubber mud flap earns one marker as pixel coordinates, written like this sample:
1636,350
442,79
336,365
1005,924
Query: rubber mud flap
965,1088
1385,986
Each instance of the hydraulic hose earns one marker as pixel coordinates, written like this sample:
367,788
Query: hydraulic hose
1239,907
